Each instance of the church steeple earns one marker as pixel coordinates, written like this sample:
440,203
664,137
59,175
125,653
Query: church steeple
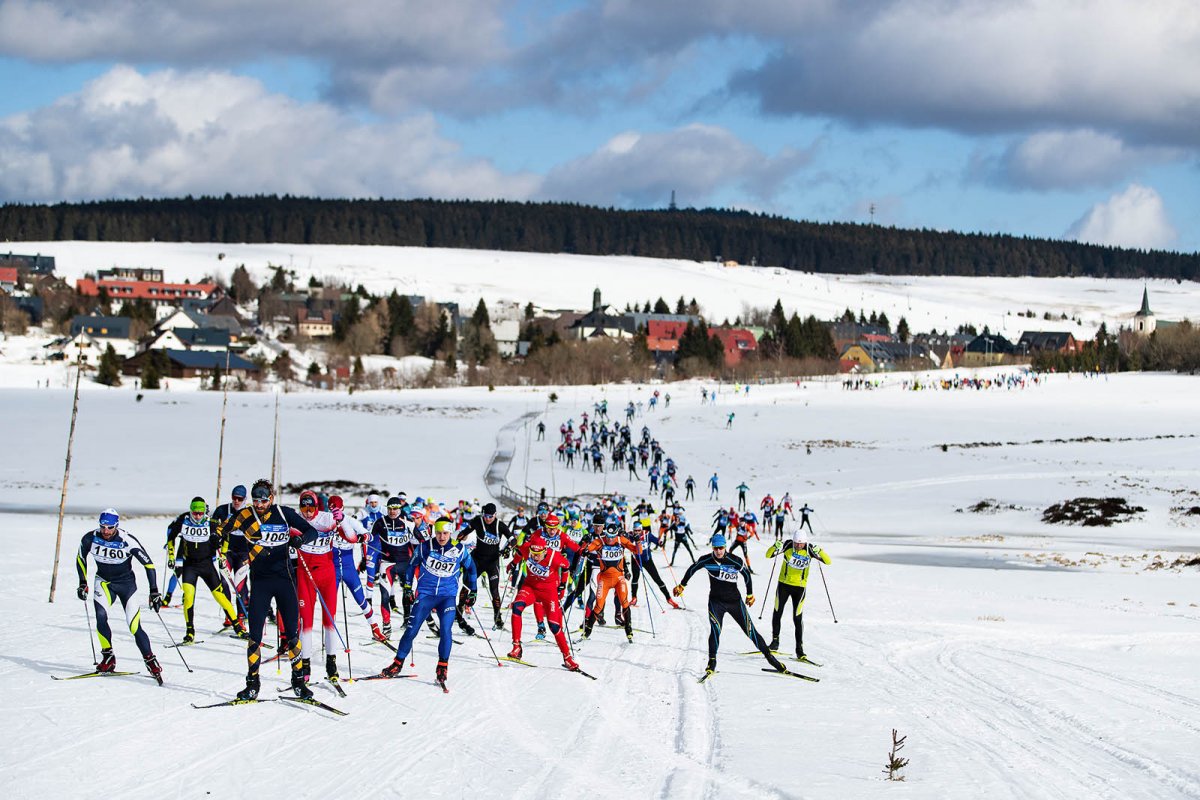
1145,310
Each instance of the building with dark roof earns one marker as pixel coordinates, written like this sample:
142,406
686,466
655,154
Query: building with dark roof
194,364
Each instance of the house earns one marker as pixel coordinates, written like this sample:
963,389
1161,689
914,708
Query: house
9,279
194,364
845,333
87,348
130,274
987,349
736,342
1052,341
102,327
507,333
193,319
157,293
642,319
601,322
33,306
314,324
887,356
31,265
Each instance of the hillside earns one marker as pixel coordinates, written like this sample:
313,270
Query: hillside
698,235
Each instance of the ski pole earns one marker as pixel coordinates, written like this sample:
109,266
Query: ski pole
775,574
346,624
88,615
174,646
826,585
486,638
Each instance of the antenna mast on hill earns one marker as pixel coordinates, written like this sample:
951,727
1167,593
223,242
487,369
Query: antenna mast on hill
872,210
672,207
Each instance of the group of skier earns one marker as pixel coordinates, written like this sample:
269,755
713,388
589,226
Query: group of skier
265,561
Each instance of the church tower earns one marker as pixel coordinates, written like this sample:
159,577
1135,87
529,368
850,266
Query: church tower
1143,320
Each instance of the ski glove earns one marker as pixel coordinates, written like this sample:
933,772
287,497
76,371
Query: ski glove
408,595
678,591
471,596
81,591
156,601
749,599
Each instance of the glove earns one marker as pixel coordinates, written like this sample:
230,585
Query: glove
749,599
338,515
81,591
471,597
408,595
678,590
562,588
178,564
155,601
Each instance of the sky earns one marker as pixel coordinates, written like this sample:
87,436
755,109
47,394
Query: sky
1075,119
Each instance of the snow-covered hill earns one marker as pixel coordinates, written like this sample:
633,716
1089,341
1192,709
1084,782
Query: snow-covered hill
1020,659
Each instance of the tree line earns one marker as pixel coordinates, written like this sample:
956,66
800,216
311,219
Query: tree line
694,234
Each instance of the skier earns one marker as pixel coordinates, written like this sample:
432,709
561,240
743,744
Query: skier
440,561
545,580
350,533
729,421
682,531
713,494
690,487
610,549
742,488
491,536
723,598
541,429
197,539
643,562
804,512
780,517
793,580
112,549
268,529
394,543
316,582
235,548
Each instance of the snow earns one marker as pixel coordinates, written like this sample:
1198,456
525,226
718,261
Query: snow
1017,664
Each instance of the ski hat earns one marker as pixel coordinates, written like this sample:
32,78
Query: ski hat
489,509
537,543
198,506
395,502
336,503
444,524
307,499
261,490
110,518
552,520
797,537
238,493
373,499
718,541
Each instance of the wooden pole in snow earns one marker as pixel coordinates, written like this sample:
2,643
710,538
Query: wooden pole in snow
221,447
62,500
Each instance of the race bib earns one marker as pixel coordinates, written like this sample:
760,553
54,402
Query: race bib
197,534
440,567
798,560
537,570
320,545
398,537
114,552
489,538
727,574
274,534
611,553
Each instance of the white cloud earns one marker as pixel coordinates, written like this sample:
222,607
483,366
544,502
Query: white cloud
1135,218
1073,159
696,160
172,133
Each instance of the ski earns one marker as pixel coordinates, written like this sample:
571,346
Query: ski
234,702
91,675
382,677
805,660
439,636
579,671
793,674
187,644
443,685
337,685
308,701
758,653
386,643
706,676
508,659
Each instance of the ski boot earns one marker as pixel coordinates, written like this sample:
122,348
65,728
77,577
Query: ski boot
377,634
391,603
188,637
166,600
600,620
305,668
299,687
570,664
226,625
499,622
465,626
386,630
433,627
776,664
108,662
392,670
331,667
516,651
671,602
587,627
251,690
442,670
154,667
541,632
628,629
712,667
774,645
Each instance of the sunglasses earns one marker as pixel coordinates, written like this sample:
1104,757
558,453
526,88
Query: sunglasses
108,527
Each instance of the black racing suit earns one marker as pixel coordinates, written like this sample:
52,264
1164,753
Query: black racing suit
194,545
490,539
724,598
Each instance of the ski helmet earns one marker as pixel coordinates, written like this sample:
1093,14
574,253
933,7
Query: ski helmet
109,518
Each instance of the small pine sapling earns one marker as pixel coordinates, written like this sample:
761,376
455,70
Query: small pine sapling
894,762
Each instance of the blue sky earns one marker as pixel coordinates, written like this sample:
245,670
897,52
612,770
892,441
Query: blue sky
1071,119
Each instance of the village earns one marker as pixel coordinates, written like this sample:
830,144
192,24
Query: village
123,324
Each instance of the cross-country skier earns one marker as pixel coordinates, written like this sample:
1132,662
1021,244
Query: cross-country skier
350,533
793,580
440,561
235,548
609,550
112,549
543,585
723,598
713,494
690,487
742,488
491,536
192,547
393,544
804,512
268,529
316,583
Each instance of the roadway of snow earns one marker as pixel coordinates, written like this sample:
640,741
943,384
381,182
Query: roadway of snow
1012,673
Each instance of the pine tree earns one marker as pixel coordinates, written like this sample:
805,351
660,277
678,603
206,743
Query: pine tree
661,307
902,332
109,370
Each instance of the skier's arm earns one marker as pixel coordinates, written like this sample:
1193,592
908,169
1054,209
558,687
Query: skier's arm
172,533
418,558
817,552
85,547
697,565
